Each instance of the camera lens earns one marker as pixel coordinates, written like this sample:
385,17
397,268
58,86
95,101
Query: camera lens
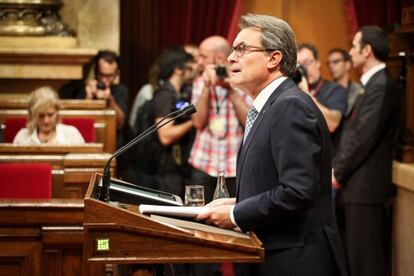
221,71
101,85
299,73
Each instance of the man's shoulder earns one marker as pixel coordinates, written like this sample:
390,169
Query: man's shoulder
163,94
120,88
353,85
329,86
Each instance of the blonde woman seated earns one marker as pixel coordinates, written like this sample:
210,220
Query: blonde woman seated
44,125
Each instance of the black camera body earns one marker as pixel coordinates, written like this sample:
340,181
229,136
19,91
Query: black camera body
299,73
101,85
221,72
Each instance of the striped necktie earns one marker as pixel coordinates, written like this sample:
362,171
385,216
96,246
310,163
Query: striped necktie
251,116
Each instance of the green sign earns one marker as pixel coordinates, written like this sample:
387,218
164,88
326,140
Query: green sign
102,244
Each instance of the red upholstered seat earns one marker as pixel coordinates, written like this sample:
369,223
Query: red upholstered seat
84,125
25,180
12,126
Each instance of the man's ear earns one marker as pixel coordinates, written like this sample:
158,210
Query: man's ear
275,58
367,50
178,71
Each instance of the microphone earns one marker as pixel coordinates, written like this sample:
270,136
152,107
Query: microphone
106,177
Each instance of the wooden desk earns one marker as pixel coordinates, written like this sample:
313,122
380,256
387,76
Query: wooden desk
20,101
120,234
42,148
105,122
43,237
71,171
403,220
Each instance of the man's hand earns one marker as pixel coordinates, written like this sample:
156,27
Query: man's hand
219,216
211,78
90,89
209,75
222,201
335,183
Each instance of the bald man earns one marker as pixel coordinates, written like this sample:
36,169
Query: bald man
220,119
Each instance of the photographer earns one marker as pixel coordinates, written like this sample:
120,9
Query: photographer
329,97
220,119
103,87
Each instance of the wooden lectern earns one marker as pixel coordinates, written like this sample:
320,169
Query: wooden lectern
119,234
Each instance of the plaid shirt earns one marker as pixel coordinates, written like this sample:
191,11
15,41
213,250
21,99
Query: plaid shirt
217,150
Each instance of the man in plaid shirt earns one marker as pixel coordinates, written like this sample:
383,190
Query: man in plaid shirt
220,119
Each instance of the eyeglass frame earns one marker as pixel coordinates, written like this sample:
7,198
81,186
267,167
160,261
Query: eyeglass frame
247,48
335,61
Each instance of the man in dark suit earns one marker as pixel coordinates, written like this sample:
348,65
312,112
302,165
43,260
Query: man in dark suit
284,165
364,162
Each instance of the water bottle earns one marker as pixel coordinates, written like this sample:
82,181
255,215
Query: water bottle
221,188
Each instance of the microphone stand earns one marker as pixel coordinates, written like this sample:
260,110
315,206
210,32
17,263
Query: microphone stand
106,177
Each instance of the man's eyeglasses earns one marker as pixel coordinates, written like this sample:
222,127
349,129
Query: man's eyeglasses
307,62
241,49
334,61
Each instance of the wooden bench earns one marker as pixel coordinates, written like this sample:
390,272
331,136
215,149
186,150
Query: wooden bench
43,237
72,165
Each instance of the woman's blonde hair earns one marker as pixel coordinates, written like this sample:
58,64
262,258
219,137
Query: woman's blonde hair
41,99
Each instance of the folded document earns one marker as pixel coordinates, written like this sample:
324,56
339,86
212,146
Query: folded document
172,215
174,211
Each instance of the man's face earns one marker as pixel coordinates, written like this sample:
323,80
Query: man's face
312,66
197,64
46,120
337,65
107,72
249,71
190,71
207,56
356,52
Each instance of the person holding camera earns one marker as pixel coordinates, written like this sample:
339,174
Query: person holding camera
330,97
103,86
220,119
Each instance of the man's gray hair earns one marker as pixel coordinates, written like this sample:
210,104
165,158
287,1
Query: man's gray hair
276,35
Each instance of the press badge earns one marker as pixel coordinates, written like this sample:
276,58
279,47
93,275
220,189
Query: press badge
218,126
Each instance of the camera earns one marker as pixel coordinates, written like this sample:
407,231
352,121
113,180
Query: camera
299,73
221,72
101,85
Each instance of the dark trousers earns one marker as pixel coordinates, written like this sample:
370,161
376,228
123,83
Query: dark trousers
296,261
365,238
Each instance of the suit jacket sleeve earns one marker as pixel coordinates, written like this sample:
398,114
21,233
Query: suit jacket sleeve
295,153
359,141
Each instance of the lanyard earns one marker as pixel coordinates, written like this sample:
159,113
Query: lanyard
217,101
317,88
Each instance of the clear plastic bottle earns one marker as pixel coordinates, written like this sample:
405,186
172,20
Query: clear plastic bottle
221,188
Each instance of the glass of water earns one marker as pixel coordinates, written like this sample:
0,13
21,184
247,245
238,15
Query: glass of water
194,195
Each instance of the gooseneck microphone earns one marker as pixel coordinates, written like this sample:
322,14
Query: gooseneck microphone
106,177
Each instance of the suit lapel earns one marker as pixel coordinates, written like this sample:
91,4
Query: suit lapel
285,85
360,101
